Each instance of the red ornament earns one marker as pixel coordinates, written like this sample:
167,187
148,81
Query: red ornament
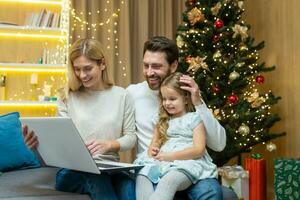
188,58
232,99
260,79
219,23
216,38
216,89
192,2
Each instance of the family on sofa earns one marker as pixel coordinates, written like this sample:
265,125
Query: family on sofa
111,119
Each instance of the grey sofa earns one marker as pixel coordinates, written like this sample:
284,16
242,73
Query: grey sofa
33,184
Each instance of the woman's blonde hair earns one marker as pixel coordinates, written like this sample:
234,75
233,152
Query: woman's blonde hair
172,82
92,50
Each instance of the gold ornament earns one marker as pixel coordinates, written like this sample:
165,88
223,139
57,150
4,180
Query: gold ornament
217,54
215,10
244,129
258,102
240,4
271,146
179,41
255,100
196,63
233,75
240,30
195,15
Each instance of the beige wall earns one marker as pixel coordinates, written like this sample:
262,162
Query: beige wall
277,23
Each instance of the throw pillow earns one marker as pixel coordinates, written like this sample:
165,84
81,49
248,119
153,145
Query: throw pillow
14,153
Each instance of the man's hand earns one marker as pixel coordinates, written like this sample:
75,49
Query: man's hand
99,146
153,151
193,88
30,138
165,156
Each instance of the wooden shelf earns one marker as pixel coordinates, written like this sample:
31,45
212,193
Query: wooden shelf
32,32
29,67
28,104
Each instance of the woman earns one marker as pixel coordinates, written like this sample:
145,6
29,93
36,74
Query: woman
104,116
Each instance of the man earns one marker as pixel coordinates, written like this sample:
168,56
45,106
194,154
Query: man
160,60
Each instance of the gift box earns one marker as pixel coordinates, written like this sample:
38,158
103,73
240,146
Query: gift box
236,178
256,165
287,179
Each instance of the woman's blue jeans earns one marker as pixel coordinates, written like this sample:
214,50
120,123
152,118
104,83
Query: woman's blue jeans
105,186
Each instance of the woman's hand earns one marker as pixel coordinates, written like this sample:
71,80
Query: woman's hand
99,146
163,156
30,138
153,151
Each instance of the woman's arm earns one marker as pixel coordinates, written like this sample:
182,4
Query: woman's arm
129,138
194,152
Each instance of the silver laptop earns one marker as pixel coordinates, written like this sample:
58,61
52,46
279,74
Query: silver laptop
61,145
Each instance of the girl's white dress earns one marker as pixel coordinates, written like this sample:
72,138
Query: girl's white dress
180,134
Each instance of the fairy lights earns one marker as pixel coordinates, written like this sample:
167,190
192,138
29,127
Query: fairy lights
109,24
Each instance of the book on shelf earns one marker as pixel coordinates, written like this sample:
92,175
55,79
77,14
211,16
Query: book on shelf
43,19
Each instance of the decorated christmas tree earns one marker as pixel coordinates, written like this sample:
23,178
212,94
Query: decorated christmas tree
217,50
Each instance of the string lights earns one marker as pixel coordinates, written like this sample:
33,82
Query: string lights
110,24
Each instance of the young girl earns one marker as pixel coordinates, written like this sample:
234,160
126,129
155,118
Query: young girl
177,156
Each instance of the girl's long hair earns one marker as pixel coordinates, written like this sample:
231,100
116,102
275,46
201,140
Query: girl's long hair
162,126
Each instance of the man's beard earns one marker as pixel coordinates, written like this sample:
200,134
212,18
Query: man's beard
159,80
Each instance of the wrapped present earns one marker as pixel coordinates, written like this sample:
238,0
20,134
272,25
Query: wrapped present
256,165
236,178
287,179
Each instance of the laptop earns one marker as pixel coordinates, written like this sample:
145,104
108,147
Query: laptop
61,145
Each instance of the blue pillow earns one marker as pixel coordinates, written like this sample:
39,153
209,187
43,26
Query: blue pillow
14,154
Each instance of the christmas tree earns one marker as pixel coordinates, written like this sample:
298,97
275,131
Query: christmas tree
216,49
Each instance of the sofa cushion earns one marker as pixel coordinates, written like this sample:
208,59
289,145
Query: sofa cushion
33,184
14,154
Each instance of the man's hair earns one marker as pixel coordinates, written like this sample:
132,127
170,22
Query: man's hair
162,44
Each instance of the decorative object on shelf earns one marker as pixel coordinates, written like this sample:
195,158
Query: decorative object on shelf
237,179
2,80
256,165
287,179
2,87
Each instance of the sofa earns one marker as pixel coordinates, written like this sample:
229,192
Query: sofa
23,174
36,183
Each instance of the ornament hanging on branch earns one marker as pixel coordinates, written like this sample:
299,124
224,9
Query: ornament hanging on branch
215,10
216,89
271,146
192,2
240,30
244,129
233,75
195,15
233,99
260,79
197,63
219,23
179,41
216,38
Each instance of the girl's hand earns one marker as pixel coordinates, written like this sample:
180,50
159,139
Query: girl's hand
99,146
162,156
153,151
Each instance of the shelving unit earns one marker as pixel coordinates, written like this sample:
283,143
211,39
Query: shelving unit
33,59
